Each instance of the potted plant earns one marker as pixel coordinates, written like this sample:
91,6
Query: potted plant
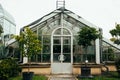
85,37
29,46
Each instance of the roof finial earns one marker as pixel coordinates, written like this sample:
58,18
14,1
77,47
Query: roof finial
60,3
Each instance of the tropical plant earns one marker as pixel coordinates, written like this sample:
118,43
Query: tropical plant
86,35
28,43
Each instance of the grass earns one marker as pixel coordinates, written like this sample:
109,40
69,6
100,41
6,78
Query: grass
100,78
36,77
106,76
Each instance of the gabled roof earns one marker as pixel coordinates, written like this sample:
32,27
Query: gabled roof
58,11
69,13
54,13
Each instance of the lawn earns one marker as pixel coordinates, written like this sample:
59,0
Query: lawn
100,78
36,77
106,76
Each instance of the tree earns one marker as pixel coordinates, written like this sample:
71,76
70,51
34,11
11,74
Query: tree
116,39
116,34
86,35
28,43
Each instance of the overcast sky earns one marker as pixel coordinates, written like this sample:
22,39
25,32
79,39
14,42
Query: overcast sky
102,13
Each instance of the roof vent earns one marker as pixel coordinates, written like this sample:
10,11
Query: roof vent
60,4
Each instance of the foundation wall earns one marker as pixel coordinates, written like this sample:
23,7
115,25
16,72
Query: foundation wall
95,70
38,70
110,68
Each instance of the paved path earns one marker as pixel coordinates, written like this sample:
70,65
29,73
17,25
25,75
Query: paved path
62,77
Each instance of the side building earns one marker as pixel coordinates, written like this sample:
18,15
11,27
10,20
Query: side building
9,28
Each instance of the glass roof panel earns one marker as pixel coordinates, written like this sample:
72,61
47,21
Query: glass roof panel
66,32
58,32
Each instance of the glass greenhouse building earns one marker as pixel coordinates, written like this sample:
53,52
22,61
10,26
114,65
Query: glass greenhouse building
9,28
61,54
8,24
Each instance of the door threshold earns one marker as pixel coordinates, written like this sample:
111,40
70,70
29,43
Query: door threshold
62,75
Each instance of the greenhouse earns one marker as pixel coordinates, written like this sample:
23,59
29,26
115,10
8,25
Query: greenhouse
61,54
7,23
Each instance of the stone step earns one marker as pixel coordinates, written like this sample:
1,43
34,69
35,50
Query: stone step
62,77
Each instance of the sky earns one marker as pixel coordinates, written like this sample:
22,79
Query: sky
102,13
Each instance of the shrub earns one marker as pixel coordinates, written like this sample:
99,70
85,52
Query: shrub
9,68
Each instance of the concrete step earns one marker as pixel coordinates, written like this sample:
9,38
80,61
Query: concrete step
62,77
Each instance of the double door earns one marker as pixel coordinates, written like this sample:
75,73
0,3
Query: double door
61,55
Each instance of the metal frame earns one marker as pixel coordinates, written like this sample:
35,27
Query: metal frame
61,36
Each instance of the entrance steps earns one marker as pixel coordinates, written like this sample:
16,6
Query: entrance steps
62,77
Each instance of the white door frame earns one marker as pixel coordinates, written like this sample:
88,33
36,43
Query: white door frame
68,67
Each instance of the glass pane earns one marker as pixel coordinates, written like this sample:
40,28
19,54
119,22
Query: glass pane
33,58
55,59
46,39
46,48
66,49
57,49
66,32
57,41
39,58
91,50
77,58
67,57
40,37
66,40
58,32
91,57
46,58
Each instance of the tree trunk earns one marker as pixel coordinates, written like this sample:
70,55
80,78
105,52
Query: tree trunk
29,63
86,53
